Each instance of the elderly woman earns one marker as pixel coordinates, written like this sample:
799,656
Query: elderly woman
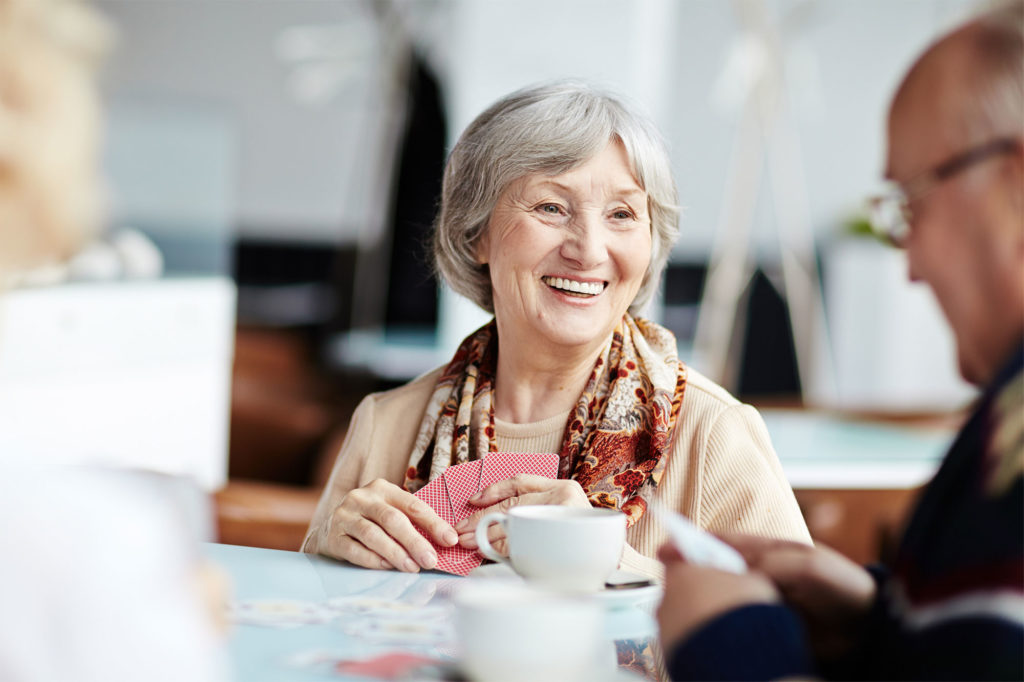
558,215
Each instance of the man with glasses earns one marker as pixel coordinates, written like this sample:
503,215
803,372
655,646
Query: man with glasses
951,606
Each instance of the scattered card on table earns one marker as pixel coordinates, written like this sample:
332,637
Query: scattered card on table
395,665
282,613
405,632
385,608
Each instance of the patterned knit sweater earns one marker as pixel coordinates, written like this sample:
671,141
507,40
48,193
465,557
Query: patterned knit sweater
952,604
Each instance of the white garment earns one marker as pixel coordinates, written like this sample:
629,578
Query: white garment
99,579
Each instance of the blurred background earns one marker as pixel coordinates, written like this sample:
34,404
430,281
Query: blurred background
273,168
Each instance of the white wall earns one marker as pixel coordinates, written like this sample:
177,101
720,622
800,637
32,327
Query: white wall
304,166
305,170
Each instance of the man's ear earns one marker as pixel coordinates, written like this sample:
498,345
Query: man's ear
1013,179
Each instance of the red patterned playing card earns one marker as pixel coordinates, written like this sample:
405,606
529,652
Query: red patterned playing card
462,482
499,466
457,560
436,496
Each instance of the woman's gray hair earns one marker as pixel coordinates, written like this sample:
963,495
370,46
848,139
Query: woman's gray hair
551,129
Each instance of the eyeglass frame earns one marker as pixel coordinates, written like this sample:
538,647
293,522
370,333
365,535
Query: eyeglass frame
898,199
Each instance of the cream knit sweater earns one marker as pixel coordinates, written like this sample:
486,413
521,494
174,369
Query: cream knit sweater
722,472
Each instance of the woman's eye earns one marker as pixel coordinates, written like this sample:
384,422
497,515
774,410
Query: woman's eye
622,214
551,209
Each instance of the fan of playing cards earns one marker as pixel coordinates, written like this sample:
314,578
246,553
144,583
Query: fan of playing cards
449,495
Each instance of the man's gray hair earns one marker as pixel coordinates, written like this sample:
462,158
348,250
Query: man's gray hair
994,101
551,129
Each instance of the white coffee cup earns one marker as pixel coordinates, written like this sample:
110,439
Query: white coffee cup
566,548
509,632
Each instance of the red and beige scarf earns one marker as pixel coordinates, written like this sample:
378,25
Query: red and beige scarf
617,437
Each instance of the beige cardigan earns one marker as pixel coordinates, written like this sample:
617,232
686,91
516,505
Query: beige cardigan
722,472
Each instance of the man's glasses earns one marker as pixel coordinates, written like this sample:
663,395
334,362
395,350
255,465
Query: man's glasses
890,213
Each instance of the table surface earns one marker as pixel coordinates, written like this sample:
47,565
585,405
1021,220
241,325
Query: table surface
307,652
824,451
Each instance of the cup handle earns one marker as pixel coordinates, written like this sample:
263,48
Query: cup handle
481,535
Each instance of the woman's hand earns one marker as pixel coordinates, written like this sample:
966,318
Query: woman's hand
831,593
374,527
518,490
696,594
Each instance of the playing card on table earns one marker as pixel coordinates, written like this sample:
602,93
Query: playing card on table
281,613
499,466
462,482
393,665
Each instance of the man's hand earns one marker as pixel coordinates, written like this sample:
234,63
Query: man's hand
831,593
696,594
518,490
373,527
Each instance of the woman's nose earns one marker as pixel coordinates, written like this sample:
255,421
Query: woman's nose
585,243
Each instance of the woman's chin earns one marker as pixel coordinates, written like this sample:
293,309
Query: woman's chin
575,331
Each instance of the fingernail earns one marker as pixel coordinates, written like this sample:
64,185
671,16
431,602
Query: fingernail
474,499
428,560
468,541
461,527
451,537
410,566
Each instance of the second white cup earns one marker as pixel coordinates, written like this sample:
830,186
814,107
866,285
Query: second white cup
565,548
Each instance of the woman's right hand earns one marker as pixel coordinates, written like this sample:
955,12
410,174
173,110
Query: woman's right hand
375,527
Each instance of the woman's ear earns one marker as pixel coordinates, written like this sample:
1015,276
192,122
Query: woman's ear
480,250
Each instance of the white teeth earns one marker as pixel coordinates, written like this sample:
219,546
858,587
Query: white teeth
588,288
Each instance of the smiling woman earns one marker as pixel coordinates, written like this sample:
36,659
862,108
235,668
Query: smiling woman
557,215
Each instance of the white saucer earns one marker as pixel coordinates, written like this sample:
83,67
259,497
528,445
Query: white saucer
645,597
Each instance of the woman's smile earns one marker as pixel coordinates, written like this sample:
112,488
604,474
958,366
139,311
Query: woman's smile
575,288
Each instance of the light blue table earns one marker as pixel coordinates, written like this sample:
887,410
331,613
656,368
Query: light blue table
266,653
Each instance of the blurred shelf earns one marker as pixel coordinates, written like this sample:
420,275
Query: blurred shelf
400,354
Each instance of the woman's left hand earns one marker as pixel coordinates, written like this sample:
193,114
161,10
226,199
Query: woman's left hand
521,489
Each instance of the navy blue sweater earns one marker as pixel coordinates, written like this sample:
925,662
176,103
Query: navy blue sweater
951,607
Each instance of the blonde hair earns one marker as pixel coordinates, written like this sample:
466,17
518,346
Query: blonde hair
49,118
550,129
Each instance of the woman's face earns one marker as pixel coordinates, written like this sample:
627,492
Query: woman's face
567,253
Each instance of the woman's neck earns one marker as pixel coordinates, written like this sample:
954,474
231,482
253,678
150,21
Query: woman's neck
534,383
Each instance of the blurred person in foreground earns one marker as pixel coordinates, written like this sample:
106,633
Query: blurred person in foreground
951,606
101,577
558,213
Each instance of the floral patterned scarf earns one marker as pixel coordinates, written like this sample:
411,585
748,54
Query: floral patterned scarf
617,437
